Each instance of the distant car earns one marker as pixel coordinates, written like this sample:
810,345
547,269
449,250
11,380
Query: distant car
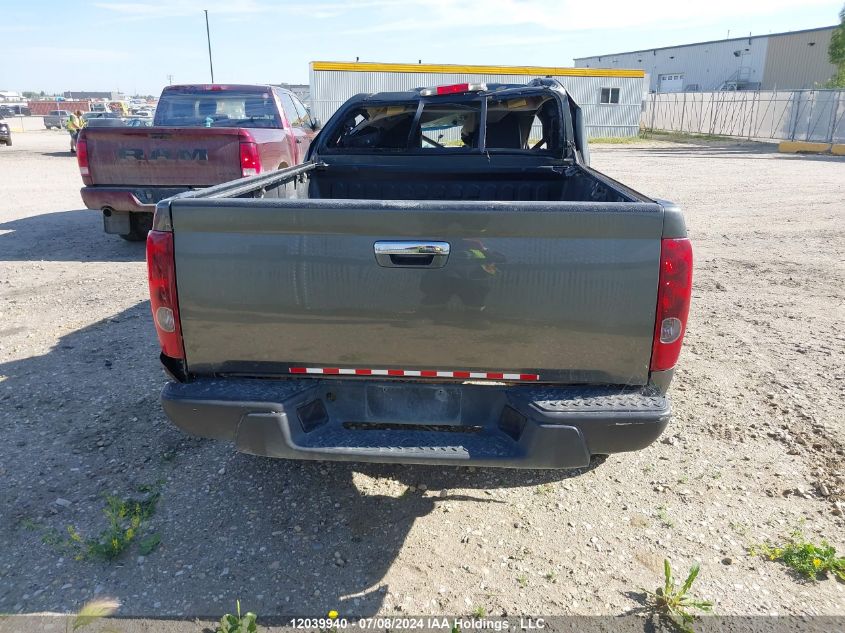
88,116
5,132
106,122
14,110
56,119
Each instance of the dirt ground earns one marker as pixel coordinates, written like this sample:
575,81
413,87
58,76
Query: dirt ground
755,449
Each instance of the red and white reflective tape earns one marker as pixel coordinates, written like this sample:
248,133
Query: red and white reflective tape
414,373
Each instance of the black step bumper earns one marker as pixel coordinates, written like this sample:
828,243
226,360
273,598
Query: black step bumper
396,422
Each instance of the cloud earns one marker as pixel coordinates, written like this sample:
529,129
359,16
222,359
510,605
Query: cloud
179,8
564,15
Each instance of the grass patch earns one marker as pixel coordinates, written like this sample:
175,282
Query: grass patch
674,603
683,137
479,612
613,140
664,517
522,581
30,525
804,558
126,522
93,611
237,623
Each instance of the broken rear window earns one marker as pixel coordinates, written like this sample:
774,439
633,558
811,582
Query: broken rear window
516,123
525,123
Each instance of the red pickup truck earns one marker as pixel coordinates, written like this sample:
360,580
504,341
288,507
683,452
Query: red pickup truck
202,135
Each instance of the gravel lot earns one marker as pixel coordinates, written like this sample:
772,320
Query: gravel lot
756,447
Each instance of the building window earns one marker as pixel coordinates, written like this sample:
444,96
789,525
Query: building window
609,95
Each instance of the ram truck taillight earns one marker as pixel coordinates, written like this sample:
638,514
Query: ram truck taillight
161,269
673,299
250,159
82,160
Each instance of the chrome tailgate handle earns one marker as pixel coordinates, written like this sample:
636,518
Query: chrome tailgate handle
411,254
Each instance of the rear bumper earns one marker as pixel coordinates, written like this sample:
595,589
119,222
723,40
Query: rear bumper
391,422
131,199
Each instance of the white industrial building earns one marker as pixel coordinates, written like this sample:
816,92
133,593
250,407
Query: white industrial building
610,98
779,61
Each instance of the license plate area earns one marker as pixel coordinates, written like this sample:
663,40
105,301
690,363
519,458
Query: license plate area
413,404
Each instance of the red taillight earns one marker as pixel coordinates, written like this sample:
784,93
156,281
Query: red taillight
82,160
163,301
250,160
673,299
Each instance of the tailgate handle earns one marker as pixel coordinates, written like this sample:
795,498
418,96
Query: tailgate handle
411,254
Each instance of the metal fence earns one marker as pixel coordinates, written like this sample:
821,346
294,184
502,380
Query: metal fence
796,115
331,88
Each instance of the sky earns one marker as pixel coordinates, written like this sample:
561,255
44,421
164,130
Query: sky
132,46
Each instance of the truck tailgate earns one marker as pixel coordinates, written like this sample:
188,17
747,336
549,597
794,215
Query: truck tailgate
559,292
163,156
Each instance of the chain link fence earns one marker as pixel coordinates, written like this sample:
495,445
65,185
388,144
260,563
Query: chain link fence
795,115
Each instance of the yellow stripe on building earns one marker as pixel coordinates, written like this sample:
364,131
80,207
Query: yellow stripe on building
477,70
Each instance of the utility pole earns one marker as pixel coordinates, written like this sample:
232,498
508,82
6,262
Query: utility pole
208,35
169,80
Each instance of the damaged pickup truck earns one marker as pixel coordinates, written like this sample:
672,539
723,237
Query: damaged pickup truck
445,280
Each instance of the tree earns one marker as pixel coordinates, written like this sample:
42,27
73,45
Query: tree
836,52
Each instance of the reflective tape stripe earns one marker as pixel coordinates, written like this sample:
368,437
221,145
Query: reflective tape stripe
414,373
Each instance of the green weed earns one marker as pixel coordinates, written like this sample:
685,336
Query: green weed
664,517
126,521
479,612
148,544
237,623
522,580
30,525
804,558
739,528
674,603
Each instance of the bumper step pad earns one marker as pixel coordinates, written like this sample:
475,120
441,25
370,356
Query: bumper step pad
361,420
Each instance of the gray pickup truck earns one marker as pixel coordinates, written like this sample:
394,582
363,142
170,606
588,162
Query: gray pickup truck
56,119
445,280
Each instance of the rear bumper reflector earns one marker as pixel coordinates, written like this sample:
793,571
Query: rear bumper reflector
415,373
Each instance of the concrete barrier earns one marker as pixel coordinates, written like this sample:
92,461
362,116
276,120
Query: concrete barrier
803,147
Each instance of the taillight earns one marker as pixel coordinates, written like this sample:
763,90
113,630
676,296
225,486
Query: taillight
250,160
673,299
82,160
161,269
